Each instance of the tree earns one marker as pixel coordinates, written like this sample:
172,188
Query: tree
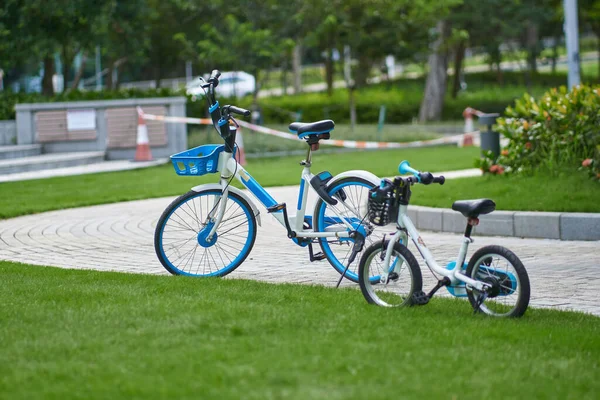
123,32
435,84
41,30
240,45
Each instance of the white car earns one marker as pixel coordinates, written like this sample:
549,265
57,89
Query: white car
231,84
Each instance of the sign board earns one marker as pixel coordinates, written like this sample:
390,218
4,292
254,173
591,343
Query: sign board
81,120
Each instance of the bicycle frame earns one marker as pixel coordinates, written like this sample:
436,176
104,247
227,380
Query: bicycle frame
407,228
228,166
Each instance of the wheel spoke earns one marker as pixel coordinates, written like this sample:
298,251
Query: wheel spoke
181,252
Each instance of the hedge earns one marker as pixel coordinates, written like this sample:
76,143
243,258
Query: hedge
402,99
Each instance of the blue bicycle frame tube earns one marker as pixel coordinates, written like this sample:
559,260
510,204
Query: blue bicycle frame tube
257,190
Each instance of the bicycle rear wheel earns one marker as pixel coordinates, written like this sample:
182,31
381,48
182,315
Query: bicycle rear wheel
395,287
354,191
180,238
502,269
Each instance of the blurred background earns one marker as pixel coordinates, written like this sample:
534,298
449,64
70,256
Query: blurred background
392,70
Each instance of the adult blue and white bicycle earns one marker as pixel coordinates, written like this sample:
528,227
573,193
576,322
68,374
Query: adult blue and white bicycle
210,230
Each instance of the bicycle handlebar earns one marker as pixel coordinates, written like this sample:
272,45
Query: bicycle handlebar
239,111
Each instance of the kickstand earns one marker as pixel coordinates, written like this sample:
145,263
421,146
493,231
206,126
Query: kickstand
480,299
359,242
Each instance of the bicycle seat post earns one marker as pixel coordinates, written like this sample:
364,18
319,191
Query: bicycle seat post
308,161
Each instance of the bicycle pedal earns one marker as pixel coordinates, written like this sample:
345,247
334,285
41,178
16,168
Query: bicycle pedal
276,208
319,256
315,257
420,298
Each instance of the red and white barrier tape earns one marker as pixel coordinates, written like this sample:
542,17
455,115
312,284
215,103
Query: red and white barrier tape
185,120
352,144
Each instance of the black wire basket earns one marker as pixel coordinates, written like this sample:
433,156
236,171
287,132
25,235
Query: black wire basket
383,205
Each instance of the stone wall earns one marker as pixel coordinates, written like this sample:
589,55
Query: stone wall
28,131
8,133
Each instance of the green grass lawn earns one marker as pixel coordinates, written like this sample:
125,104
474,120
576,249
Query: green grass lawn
27,197
97,335
574,192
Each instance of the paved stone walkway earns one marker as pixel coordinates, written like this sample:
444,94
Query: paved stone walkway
119,237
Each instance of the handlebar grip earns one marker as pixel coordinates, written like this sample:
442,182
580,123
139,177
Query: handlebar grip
239,111
425,178
439,179
214,77
215,74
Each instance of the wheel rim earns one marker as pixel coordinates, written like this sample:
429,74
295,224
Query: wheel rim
397,288
184,228
499,271
338,251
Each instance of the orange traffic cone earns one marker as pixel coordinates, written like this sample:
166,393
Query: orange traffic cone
142,151
239,140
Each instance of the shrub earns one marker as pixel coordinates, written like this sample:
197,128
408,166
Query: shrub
560,129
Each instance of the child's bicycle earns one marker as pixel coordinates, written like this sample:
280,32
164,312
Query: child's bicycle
494,280
210,230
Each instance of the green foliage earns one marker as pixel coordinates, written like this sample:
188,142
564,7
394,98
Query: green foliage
240,45
558,130
402,99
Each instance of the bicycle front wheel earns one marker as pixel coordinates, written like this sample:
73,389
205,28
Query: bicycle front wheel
392,286
354,192
181,236
509,293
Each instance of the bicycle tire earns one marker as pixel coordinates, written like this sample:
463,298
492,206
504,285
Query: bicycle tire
390,293
512,285
182,225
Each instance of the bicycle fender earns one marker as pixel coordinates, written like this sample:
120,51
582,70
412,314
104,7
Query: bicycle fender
234,190
357,174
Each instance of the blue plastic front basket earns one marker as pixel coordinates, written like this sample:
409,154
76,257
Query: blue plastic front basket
199,160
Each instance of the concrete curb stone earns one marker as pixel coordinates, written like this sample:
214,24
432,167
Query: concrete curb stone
579,226
537,224
524,224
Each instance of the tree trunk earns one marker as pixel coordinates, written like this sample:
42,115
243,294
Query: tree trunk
459,56
499,74
352,103
532,46
157,75
329,70
362,72
284,84
116,79
109,75
554,55
435,86
297,66
79,73
49,68
66,61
